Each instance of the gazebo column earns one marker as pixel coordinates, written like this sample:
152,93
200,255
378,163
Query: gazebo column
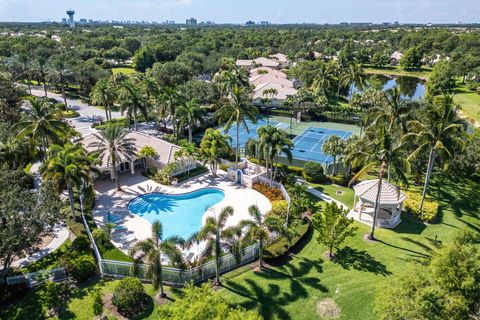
360,212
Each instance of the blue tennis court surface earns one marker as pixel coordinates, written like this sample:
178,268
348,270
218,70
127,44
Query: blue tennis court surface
308,145
244,135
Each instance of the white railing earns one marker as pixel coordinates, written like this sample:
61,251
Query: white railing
180,277
35,278
98,256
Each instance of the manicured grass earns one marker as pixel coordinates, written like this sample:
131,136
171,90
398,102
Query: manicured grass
424,73
331,190
292,290
113,253
469,102
124,70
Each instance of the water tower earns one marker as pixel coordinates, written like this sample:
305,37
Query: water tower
71,13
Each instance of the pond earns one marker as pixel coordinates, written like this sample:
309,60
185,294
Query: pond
410,87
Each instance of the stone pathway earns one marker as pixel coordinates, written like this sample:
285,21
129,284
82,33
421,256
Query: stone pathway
61,235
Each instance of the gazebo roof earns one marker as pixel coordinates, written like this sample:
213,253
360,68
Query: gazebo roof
367,191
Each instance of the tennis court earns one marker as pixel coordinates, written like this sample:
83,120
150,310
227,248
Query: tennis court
308,145
244,135
308,141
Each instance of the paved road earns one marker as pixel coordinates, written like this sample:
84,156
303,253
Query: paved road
88,113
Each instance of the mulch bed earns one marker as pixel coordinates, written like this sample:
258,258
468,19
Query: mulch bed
107,304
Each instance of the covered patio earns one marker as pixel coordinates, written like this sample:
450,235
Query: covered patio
389,203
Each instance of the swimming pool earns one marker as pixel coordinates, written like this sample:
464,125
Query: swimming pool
180,214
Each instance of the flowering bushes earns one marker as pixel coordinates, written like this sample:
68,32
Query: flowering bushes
273,194
412,204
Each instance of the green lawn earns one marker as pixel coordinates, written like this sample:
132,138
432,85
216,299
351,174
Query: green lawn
424,73
469,101
346,196
292,289
124,70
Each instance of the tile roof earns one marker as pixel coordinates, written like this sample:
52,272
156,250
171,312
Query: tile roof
165,150
283,91
368,190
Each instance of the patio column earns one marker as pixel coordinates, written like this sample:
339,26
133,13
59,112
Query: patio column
132,168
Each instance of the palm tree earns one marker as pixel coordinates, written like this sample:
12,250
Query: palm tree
238,110
151,252
273,142
103,94
146,152
68,167
258,229
378,150
168,101
392,111
42,125
59,73
40,70
227,80
20,65
334,146
113,146
189,114
216,236
440,131
188,152
132,100
353,74
213,146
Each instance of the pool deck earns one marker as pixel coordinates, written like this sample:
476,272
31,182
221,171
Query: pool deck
137,228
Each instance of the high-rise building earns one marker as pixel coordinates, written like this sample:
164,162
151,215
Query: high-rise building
264,23
191,22
71,19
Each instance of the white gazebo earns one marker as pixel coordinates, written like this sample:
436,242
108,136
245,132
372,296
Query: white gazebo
389,203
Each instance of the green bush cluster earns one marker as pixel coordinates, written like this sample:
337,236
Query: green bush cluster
340,180
82,267
412,204
129,296
280,246
81,244
313,172
97,303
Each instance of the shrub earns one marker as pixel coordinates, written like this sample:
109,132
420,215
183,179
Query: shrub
51,293
412,204
313,172
271,193
296,170
82,267
340,180
101,236
223,167
129,296
478,90
12,292
279,207
254,160
81,244
97,303
280,246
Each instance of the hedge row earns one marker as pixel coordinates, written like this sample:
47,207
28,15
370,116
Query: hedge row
412,204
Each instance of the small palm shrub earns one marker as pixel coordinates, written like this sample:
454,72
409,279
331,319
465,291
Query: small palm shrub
129,296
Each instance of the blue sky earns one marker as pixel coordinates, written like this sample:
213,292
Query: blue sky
277,11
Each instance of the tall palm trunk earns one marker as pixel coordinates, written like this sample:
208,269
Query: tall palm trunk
115,173
237,151
106,113
160,278
217,258
45,88
72,201
334,165
109,117
135,121
381,173
64,96
190,134
260,253
431,162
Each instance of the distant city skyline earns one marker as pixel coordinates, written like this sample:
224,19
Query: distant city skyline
224,11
